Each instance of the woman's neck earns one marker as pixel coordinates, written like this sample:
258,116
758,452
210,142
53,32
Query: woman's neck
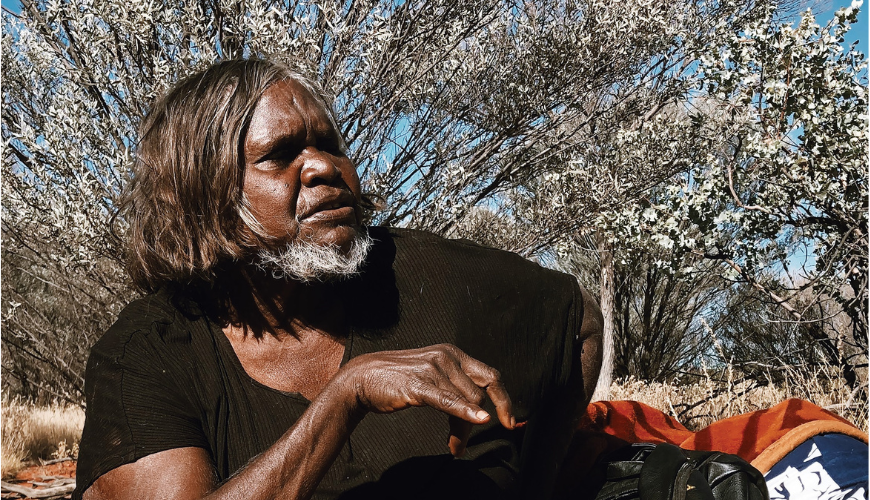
263,304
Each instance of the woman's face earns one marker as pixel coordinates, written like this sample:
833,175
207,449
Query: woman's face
298,183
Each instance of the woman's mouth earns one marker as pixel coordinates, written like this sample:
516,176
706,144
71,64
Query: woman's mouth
332,213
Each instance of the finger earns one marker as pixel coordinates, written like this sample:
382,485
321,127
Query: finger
451,402
466,386
460,430
489,378
503,406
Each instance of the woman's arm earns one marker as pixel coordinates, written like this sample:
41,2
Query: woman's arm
587,349
549,434
441,376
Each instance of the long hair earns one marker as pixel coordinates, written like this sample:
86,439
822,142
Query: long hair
184,205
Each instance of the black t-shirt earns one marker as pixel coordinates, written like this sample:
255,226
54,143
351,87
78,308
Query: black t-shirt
164,377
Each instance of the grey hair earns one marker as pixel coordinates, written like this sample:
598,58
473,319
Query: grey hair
308,262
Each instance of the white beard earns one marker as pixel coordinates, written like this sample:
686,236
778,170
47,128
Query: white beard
306,262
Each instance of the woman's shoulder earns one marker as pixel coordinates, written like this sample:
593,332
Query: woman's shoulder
421,255
158,319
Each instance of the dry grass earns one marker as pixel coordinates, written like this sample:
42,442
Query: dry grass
31,433
698,404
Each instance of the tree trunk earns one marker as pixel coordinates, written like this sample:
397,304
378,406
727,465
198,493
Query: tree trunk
605,253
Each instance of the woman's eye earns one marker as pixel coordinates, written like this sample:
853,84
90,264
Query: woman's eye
281,156
330,145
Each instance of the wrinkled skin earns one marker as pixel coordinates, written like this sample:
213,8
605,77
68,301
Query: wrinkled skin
298,181
299,184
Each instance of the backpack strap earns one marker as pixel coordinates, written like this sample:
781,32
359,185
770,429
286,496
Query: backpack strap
622,471
671,473
730,476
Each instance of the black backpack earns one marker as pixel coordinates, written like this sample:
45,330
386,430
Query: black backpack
667,472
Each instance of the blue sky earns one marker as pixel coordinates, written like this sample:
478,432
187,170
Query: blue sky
824,10
859,30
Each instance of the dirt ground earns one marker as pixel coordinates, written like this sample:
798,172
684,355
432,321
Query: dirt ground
40,477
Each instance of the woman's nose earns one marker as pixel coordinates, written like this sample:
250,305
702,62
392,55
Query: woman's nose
318,168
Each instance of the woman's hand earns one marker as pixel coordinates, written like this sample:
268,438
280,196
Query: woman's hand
440,376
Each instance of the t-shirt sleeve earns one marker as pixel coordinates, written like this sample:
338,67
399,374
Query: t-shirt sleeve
136,404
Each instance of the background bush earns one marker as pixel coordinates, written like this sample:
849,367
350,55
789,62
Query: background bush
678,157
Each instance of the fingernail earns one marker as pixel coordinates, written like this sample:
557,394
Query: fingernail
513,422
481,415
